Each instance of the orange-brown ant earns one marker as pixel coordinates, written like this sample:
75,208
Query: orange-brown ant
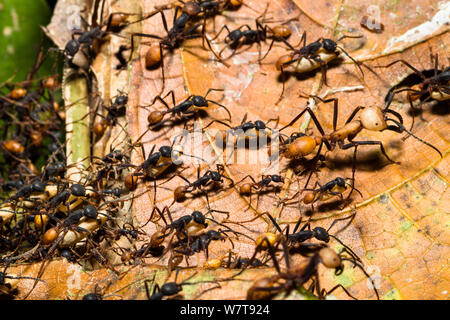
371,118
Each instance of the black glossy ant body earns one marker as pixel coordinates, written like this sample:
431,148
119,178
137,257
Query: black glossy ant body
435,86
239,37
114,111
76,190
265,181
249,128
312,56
155,164
189,106
233,261
86,39
168,289
318,233
174,37
26,191
210,177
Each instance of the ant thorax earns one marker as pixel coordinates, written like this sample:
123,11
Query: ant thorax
324,196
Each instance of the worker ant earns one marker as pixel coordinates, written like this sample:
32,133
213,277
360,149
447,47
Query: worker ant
423,85
333,188
174,37
239,37
233,261
169,290
156,163
312,56
95,32
264,185
209,177
189,106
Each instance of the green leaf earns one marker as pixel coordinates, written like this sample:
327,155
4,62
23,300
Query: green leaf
21,35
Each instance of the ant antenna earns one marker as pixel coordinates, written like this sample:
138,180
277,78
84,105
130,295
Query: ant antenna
403,129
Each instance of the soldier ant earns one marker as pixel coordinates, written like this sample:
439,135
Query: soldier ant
209,177
312,56
371,118
189,106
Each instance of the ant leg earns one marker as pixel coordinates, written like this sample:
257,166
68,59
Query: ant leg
220,31
313,116
143,35
405,63
360,143
402,128
267,52
325,293
351,58
366,274
283,80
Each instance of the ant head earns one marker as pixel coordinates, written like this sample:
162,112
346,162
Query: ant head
199,101
78,190
90,212
260,125
340,182
199,218
121,100
215,176
166,151
72,47
38,186
329,45
321,234
373,119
